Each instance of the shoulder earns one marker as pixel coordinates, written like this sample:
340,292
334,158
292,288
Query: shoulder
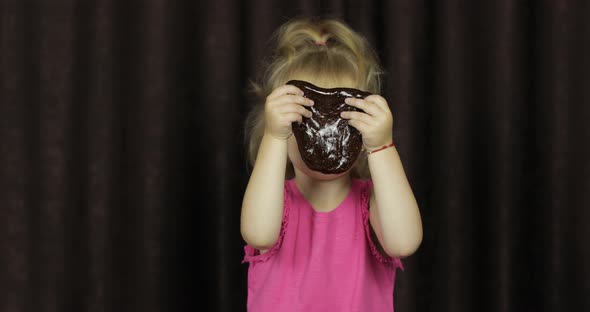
289,189
362,182
255,256
362,186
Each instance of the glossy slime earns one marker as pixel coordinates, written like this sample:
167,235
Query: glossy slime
326,142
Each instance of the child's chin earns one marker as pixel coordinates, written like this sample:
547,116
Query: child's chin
324,176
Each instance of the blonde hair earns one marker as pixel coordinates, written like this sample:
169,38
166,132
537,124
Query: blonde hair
324,52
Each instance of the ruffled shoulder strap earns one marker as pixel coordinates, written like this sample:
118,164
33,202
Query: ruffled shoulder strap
365,191
253,255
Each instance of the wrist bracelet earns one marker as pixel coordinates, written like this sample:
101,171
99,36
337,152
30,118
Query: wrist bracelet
380,149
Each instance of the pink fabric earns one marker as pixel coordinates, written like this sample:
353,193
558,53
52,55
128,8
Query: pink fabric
322,261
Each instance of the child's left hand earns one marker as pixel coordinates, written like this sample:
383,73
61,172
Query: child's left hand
375,123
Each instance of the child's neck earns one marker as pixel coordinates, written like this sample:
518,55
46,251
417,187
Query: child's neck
323,195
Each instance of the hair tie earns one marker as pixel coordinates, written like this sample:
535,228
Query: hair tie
320,43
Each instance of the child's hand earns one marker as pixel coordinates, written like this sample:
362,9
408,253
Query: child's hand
284,105
375,124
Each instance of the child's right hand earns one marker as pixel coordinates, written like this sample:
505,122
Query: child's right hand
285,105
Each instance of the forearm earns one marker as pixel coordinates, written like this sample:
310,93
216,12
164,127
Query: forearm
394,213
262,206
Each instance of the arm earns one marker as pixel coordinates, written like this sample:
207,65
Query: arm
262,205
394,214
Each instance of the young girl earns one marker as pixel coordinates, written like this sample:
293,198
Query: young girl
314,241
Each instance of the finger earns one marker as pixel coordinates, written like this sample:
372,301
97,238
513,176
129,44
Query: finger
359,125
358,116
295,108
293,117
293,99
367,107
379,101
282,90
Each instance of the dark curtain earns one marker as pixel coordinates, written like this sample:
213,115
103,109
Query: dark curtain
122,162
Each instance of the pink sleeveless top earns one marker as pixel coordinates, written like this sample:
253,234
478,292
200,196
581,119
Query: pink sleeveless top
322,261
